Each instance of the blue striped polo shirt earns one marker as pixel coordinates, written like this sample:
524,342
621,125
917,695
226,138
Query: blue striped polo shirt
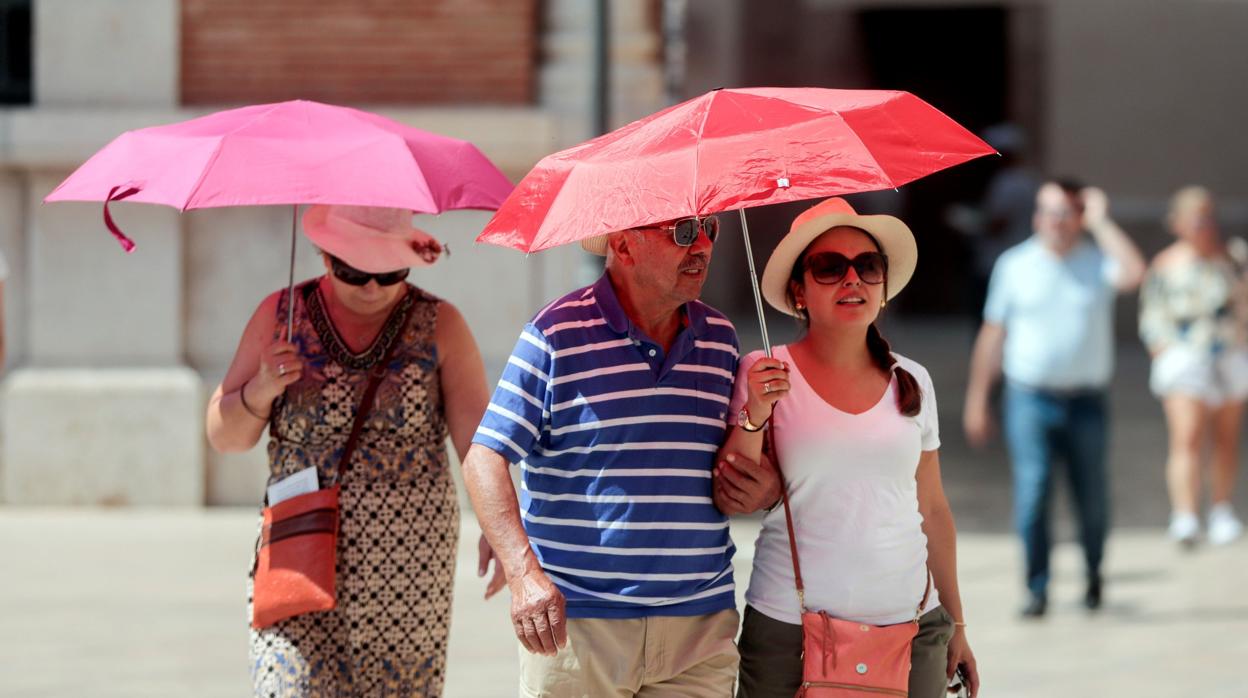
616,441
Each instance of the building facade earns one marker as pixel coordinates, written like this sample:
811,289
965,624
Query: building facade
111,357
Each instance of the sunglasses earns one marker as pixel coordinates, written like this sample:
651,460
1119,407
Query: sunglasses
831,267
351,276
685,231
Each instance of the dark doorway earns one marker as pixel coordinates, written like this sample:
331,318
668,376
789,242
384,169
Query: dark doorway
15,49
957,59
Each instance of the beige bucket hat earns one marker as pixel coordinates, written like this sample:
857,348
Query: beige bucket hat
895,238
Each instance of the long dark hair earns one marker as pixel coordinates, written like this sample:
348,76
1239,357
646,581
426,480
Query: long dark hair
909,394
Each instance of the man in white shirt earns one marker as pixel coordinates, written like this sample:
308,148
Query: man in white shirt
1048,327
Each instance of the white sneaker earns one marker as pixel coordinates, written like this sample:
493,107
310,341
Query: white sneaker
1224,526
1184,528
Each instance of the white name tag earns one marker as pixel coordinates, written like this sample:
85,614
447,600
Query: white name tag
301,482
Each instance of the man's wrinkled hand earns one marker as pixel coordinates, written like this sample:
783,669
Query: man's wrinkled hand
538,613
742,486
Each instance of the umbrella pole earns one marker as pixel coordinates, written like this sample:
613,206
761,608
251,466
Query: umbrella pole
758,296
290,293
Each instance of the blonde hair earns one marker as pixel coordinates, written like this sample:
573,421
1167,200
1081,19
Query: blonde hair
1186,199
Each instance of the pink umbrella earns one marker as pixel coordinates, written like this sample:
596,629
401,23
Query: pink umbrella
293,153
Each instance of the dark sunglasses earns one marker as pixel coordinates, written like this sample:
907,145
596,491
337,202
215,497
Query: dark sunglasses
351,276
831,267
685,231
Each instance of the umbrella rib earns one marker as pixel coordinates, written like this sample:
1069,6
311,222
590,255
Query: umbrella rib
216,153
199,182
867,148
697,151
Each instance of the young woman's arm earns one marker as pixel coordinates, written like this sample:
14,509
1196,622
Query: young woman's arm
743,481
942,560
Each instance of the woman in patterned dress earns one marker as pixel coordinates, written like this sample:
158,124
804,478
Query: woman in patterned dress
399,512
1194,321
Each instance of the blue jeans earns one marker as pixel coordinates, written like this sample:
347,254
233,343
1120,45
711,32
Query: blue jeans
1041,428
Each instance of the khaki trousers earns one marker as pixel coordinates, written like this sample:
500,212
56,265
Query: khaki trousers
771,656
676,656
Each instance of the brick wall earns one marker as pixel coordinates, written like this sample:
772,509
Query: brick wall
359,51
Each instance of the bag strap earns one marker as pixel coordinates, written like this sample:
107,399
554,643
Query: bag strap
797,567
375,376
788,520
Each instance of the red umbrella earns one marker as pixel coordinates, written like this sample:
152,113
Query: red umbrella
730,149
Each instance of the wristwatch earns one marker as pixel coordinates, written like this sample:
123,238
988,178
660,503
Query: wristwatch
743,419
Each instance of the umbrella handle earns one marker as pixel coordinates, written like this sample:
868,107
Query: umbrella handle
758,296
290,292
130,190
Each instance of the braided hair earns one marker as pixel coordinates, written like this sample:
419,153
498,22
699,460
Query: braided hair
909,394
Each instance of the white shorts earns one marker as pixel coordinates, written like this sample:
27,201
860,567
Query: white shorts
1212,379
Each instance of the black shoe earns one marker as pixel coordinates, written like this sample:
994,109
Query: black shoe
1036,607
1092,599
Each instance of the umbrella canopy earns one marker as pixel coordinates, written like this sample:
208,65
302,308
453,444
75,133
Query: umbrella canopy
295,152
730,149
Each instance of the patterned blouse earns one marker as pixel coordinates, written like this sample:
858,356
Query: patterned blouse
1201,303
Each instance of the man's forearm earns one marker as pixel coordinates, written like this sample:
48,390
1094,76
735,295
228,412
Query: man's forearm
1117,245
985,365
487,476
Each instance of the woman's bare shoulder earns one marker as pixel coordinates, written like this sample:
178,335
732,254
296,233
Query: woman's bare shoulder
1171,256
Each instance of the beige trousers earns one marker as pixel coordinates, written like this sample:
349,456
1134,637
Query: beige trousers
669,656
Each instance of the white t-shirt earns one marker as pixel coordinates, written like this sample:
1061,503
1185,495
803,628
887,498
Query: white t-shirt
851,482
1058,315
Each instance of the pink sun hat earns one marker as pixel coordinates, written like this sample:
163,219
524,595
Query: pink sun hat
369,238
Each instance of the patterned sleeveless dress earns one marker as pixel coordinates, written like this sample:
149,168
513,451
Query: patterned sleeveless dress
399,513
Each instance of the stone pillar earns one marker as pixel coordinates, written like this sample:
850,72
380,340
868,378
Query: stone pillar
106,52
111,436
103,412
13,247
90,303
103,409
565,82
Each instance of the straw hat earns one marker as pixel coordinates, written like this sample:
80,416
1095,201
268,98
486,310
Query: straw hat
595,245
371,239
895,238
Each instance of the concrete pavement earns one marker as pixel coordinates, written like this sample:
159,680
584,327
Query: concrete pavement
149,602
138,603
